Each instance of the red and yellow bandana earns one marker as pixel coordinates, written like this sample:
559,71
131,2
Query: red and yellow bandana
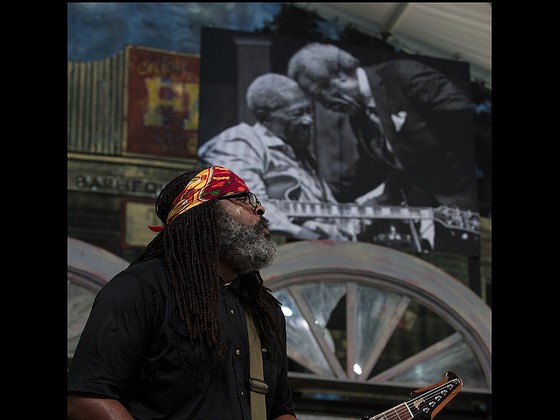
209,184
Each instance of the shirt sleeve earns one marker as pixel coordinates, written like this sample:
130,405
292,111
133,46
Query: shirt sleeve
242,151
114,338
428,86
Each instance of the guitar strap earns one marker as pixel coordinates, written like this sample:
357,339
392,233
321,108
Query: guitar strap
259,388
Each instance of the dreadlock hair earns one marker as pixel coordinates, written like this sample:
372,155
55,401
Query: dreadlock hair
190,247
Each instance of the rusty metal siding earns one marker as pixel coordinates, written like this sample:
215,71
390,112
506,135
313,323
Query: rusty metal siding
96,107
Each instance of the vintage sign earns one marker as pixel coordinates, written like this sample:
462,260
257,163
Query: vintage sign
137,215
162,102
114,184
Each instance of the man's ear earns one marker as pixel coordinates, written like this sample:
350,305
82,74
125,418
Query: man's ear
261,115
340,76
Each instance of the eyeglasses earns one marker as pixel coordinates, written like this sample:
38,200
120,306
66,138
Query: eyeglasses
246,197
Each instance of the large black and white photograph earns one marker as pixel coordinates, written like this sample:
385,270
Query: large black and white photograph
342,142
279,211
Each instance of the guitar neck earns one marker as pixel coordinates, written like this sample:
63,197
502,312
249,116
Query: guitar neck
400,412
428,401
449,217
351,211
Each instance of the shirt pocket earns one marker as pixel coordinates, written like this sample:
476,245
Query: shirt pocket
271,371
190,357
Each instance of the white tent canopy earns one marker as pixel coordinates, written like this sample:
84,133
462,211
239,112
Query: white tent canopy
454,31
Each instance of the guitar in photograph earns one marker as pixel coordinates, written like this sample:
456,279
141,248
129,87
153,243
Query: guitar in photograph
426,402
451,218
370,223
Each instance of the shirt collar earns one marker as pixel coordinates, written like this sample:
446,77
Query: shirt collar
235,284
270,140
364,87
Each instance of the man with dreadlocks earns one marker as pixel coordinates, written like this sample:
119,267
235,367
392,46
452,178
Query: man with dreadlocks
166,338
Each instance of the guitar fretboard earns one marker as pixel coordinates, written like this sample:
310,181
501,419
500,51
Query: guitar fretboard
450,217
428,403
400,412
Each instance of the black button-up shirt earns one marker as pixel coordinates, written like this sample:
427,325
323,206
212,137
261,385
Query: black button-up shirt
136,349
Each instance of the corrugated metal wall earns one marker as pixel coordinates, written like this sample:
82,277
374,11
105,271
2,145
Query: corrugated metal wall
96,106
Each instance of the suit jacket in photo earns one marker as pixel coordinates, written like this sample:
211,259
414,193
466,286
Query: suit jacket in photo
427,121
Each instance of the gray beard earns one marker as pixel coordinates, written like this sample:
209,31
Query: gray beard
244,247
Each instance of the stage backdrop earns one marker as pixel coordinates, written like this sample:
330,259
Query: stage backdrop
231,60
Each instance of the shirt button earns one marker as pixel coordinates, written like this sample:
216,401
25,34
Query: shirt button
231,311
242,393
238,352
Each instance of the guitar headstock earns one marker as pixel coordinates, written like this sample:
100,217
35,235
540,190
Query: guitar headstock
430,400
458,219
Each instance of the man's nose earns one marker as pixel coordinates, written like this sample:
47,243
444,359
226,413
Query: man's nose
307,119
259,209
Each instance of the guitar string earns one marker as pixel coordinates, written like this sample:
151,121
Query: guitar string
348,210
410,403
390,414
453,382
349,206
432,393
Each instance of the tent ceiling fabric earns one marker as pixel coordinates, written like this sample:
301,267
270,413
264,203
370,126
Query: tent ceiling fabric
453,31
